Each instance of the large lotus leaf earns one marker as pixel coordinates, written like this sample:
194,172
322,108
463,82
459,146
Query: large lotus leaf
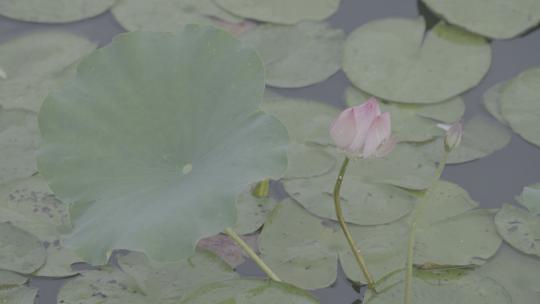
306,120
169,282
363,203
530,198
299,55
471,288
20,251
414,122
518,273
10,279
519,228
106,285
492,101
481,137
168,15
37,63
497,19
252,212
19,140
520,105
250,291
29,204
281,11
307,160
396,60
159,133
18,295
53,11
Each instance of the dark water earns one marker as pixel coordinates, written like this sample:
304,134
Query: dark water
492,180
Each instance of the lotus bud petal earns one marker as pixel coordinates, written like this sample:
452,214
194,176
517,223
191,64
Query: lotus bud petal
453,136
378,134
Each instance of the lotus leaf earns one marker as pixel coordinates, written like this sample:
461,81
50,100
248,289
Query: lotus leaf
37,63
518,273
159,128
168,15
519,228
53,11
492,101
520,105
170,282
19,140
29,204
495,19
281,11
299,55
396,60
20,251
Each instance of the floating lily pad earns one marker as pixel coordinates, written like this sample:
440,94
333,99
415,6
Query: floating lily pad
93,286
251,212
414,122
10,279
518,273
18,295
281,11
35,64
227,249
492,101
20,251
250,291
169,282
316,118
168,15
481,137
152,140
471,288
520,105
494,19
396,60
53,11
472,235
404,167
19,140
363,203
519,228
29,204
299,55
305,160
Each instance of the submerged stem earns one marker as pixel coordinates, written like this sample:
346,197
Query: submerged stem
341,219
420,205
238,240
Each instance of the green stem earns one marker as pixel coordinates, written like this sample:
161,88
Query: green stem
262,189
341,219
420,205
252,254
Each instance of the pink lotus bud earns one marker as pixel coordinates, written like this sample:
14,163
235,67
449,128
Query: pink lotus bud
453,136
362,131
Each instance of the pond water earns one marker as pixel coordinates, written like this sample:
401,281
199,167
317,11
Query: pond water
492,180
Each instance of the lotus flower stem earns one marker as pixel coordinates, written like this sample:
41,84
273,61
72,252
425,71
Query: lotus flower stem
420,205
341,219
238,240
